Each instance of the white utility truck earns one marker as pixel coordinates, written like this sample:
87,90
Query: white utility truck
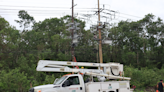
110,79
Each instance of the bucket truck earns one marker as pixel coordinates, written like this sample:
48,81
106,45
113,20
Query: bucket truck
110,79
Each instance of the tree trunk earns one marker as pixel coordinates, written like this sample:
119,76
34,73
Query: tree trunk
30,84
137,59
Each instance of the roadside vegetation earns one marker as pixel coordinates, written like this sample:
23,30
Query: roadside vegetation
139,45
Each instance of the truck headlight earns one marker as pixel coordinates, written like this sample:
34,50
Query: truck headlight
37,90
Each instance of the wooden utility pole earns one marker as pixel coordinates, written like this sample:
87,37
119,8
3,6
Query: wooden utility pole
72,48
72,11
100,40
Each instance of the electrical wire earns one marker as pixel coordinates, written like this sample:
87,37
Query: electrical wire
131,15
51,13
123,13
3,9
65,8
59,11
33,6
45,7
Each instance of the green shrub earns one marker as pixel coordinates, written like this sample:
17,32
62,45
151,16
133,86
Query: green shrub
144,77
13,81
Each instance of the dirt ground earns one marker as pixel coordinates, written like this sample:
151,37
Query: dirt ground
150,89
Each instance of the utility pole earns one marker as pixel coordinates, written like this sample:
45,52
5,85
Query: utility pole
72,48
100,40
73,27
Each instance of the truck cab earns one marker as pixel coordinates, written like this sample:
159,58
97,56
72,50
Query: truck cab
67,83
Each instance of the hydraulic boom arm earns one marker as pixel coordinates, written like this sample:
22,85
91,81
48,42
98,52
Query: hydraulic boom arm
111,70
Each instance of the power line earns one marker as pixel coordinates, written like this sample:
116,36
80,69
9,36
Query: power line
50,12
58,8
131,15
102,16
37,10
40,13
123,13
60,14
55,12
35,15
15,11
127,18
44,7
32,6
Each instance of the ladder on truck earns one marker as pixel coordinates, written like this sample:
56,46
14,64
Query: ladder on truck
111,70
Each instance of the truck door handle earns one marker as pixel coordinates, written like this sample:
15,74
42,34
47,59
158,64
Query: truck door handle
56,86
80,88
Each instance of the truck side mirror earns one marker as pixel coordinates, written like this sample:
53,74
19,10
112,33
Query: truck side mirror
66,83
56,80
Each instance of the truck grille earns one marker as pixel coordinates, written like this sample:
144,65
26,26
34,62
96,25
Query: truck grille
31,90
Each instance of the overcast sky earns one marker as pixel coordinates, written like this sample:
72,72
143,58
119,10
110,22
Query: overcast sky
42,9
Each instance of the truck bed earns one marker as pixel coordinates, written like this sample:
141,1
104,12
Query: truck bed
110,86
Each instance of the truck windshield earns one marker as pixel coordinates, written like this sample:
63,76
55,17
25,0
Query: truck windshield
60,80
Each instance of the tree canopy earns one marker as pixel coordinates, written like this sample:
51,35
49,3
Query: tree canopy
136,44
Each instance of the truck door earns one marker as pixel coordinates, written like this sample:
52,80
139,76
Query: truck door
72,84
